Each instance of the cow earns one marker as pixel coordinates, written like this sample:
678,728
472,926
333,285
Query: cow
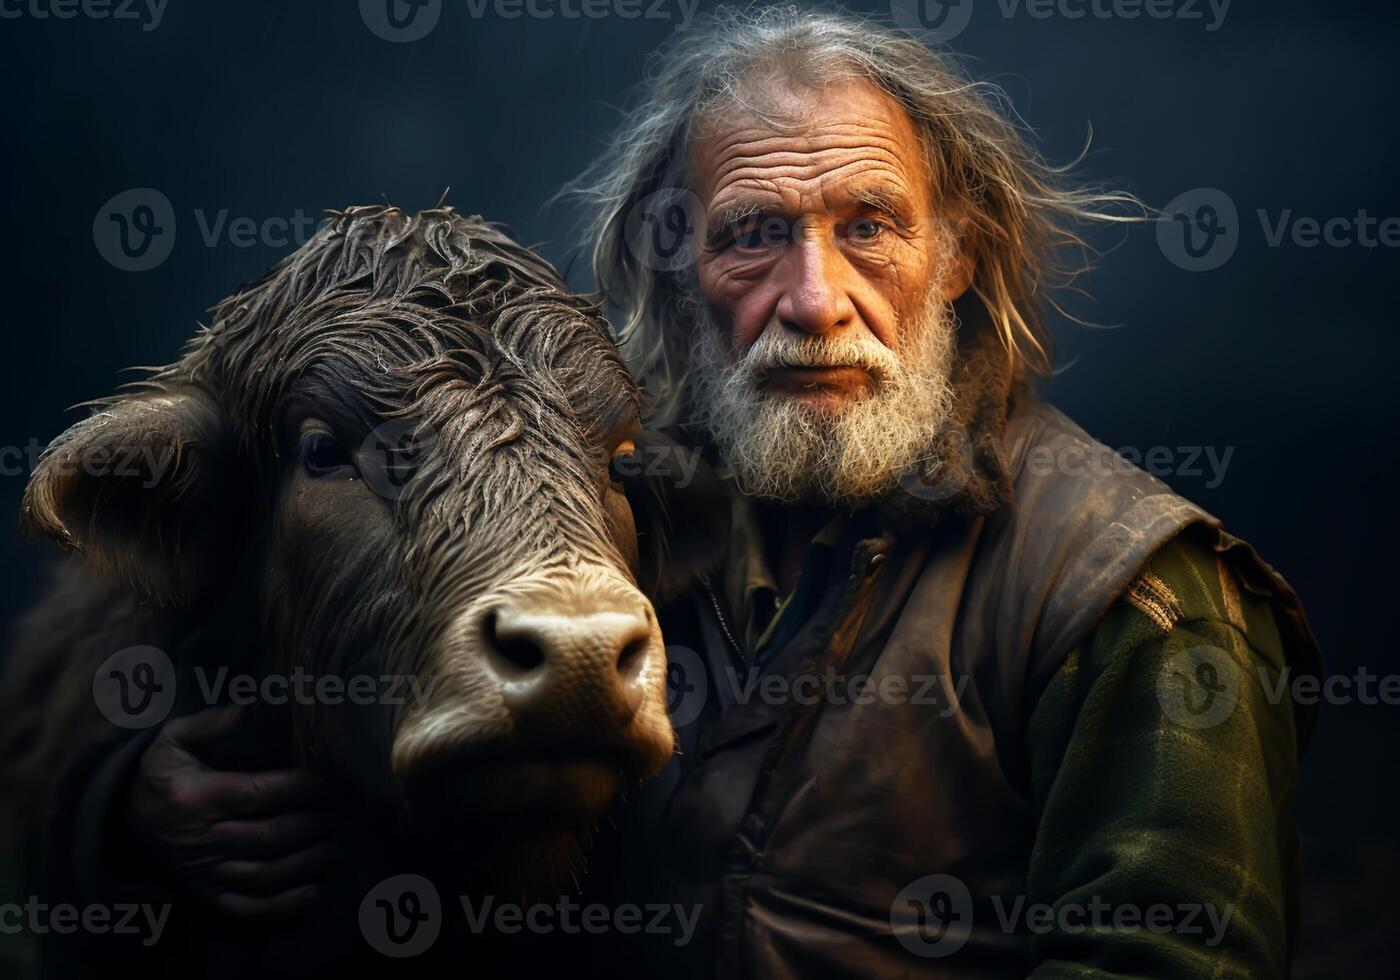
407,455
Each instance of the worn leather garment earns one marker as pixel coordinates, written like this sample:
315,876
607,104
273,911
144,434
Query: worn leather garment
794,822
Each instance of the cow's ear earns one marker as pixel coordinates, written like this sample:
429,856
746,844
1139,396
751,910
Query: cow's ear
682,516
140,488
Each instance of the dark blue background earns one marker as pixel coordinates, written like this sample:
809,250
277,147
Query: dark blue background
1286,354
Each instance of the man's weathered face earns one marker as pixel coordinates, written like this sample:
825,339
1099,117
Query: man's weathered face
824,289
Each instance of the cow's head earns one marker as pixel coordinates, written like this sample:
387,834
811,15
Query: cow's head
403,450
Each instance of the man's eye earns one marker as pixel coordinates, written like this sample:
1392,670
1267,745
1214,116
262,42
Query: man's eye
322,454
865,229
752,238
771,232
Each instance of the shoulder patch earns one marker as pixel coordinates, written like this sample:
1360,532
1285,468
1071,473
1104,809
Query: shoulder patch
1155,599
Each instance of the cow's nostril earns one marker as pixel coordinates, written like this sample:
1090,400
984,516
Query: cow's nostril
632,657
513,653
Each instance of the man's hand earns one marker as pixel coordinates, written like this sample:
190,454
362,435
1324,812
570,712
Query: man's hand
253,843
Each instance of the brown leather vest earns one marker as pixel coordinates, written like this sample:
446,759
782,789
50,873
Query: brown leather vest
794,819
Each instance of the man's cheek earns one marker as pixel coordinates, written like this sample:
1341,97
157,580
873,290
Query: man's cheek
742,305
750,316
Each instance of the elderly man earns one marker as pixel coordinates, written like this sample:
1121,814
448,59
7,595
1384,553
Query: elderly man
971,696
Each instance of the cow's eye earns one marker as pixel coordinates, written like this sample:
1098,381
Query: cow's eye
322,454
623,462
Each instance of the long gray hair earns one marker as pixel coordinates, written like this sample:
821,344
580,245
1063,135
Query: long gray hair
1017,214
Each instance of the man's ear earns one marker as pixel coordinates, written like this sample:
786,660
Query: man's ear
959,277
682,516
140,488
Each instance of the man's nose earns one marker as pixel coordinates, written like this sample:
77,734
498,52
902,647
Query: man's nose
815,299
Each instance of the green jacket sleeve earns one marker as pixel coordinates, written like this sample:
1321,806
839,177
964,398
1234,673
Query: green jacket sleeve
1163,758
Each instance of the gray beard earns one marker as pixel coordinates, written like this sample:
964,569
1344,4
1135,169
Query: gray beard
783,450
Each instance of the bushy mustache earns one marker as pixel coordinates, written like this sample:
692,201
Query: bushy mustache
778,349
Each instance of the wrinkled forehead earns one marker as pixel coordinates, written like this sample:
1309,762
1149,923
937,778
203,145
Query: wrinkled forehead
799,140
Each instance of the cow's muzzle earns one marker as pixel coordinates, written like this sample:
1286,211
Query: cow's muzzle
547,695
